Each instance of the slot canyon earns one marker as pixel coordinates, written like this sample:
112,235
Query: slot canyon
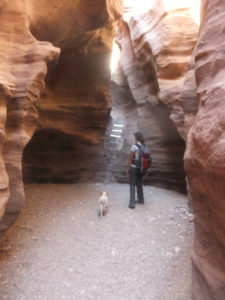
73,70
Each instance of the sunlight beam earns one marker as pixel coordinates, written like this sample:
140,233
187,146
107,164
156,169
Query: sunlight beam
115,57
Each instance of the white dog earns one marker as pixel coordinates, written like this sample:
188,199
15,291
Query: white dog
103,203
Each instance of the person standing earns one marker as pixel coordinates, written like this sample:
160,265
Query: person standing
134,170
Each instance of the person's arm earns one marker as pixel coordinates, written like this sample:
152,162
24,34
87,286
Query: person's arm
130,161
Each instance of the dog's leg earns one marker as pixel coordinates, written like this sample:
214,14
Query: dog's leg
105,210
101,210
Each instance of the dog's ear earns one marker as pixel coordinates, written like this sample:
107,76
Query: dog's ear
100,194
107,194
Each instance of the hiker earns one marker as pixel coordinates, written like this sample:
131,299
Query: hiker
134,170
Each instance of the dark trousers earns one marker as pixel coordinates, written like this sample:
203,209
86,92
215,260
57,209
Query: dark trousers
136,180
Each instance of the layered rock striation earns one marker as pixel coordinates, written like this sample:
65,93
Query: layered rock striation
76,104
67,115
55,103
23,63
156,46
204,157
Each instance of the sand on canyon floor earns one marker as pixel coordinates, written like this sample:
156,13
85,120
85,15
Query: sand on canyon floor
59,248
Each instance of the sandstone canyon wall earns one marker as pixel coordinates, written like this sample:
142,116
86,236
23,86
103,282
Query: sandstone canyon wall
54,88
23,62
75,104
204,157
156,46
70,116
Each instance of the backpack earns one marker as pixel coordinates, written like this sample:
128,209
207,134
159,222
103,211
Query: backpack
144,157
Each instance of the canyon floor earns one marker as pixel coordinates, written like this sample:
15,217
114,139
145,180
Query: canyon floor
59,248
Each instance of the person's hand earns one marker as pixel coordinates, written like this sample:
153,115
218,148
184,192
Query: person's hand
128,172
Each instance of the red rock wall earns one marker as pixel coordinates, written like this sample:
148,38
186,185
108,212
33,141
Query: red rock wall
156,47
204,157
75,104
69,117
23,68
75,107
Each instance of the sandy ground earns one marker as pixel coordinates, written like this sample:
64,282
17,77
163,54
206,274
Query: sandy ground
59,248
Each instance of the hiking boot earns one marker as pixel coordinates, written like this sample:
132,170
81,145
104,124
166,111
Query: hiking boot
131,205
139,202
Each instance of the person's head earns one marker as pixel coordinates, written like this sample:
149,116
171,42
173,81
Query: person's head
139,137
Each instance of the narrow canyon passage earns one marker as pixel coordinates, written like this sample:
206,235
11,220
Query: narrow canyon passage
59,248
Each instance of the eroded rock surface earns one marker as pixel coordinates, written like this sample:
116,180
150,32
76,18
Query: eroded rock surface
204,157
154,83
72,111
23,63
156,46
75,107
